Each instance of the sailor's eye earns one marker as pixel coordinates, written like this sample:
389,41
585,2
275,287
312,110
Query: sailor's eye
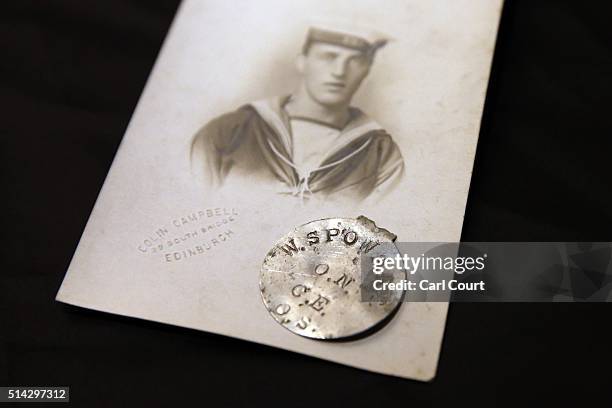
359,60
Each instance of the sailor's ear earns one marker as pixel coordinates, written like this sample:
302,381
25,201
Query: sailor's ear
300,62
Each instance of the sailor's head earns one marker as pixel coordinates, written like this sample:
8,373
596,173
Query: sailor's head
333,63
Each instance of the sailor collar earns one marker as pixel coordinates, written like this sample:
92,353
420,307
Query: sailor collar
272,112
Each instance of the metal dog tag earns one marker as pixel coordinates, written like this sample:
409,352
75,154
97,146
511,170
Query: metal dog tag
310,280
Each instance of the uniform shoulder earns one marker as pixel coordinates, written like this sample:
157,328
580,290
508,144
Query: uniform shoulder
361,120
222,132
388,150
382,137
232,118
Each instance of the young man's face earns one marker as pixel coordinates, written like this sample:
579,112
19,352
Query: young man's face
332,73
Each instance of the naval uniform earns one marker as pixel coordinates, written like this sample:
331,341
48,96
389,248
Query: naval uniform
261,141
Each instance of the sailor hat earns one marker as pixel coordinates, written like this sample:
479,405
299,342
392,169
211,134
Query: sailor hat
347,35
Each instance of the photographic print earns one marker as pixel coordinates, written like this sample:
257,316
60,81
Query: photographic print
259,117
312,141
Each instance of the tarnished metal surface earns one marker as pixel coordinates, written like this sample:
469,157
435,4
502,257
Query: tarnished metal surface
310,280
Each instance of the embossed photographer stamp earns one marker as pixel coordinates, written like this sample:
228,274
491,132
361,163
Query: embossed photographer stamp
310,280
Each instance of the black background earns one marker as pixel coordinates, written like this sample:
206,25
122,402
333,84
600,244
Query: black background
71,74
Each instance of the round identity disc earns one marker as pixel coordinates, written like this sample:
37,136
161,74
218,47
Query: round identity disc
311,279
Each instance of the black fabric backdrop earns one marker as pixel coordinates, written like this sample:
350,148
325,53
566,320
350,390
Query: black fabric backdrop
71,75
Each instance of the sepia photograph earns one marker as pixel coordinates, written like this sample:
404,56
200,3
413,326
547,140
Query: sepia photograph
263,119
311,141
306,203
